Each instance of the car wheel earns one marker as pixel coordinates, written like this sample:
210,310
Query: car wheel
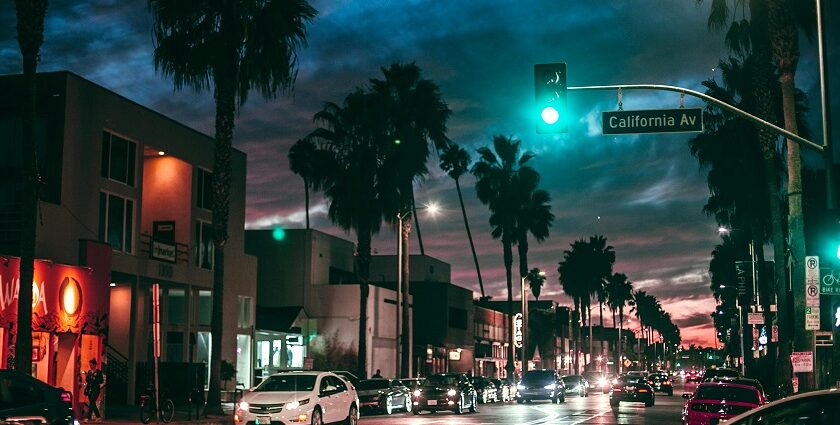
388,408
407,403
317,419
459,408
352,416
474,405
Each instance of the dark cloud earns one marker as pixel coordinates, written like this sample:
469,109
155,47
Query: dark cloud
645,193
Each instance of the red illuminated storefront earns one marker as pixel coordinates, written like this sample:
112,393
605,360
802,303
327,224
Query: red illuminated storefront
69,316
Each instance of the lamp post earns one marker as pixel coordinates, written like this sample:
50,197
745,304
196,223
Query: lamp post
403,344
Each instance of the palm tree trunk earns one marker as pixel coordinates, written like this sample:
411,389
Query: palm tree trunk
225,96
620,341
601,321
30,29
417,223
589,320
306,199
508,259
469,236
576,334
363,271
405,354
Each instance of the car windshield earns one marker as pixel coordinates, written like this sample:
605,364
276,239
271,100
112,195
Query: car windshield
538,376
287,383
630,379
724,392
440,381
372,384
572,379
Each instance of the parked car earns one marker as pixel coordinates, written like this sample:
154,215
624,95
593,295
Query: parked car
542,384
384,395
445,391
306,396
719,371
504,391
598,381
741,381
661,382
693,375
630,388
347,376
412,383
486,390
817,407
576,384
714,402
22,396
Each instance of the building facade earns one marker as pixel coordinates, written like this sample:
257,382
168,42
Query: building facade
120,174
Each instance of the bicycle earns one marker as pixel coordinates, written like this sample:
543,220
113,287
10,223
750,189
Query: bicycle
149,410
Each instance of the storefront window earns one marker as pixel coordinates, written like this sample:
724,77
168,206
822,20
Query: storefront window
174,346
177,306
243,360
205,308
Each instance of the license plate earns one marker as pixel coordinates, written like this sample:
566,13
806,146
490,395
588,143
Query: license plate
432,403
263,420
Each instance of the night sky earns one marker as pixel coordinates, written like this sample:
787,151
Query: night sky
644,193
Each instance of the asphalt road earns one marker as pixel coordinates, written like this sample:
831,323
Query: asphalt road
594,409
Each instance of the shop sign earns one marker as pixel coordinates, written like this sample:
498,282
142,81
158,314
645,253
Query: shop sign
163,241
517,330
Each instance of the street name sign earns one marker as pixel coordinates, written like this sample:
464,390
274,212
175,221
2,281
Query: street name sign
812,281
680,120
802,361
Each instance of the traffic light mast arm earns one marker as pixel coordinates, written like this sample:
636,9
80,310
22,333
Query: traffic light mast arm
802,141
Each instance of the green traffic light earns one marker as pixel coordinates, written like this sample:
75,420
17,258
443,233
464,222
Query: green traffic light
278,234
837,254
550,115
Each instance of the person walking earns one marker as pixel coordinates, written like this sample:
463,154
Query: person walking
94,379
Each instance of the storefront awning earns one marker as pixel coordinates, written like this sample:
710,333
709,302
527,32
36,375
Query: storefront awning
277,319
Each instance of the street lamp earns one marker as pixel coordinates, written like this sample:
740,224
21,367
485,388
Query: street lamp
403,346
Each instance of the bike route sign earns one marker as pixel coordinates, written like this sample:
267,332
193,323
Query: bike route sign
830,282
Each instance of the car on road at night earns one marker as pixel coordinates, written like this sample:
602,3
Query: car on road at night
719,372
817,407
630,388
598,381
504,391
22,396
485,389
383,395
661,382
412,383
693,375
541,384
445,391
742,381
715,402
299,397
577,385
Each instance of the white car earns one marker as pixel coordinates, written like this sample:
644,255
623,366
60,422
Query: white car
314,398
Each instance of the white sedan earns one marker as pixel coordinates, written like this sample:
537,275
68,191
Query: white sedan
314,398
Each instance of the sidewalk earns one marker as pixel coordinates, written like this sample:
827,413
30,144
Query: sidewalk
125,415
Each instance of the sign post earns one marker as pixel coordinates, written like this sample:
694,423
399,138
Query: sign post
646,121
156,341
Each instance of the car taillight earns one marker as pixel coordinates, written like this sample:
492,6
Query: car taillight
66,397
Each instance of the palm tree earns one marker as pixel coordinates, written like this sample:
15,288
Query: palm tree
455,161
497,185
535,279
619,293
414,115
30,35
348,168
534,215
301,156
583,270
233,47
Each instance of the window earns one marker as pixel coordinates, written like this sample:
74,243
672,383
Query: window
116,222
205,189
457,318
244,312
118,158
174,346
204,245
205,307
177,306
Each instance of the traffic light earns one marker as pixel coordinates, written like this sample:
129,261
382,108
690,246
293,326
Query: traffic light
550,97
826,237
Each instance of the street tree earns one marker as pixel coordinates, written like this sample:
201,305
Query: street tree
230,47
535,279
301,162
619,293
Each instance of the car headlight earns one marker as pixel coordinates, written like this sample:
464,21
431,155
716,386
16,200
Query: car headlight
602,382
520,387
296,404
451,392
243,405
550,386
417,393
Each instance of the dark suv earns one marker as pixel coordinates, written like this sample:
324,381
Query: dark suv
544,384
22,396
